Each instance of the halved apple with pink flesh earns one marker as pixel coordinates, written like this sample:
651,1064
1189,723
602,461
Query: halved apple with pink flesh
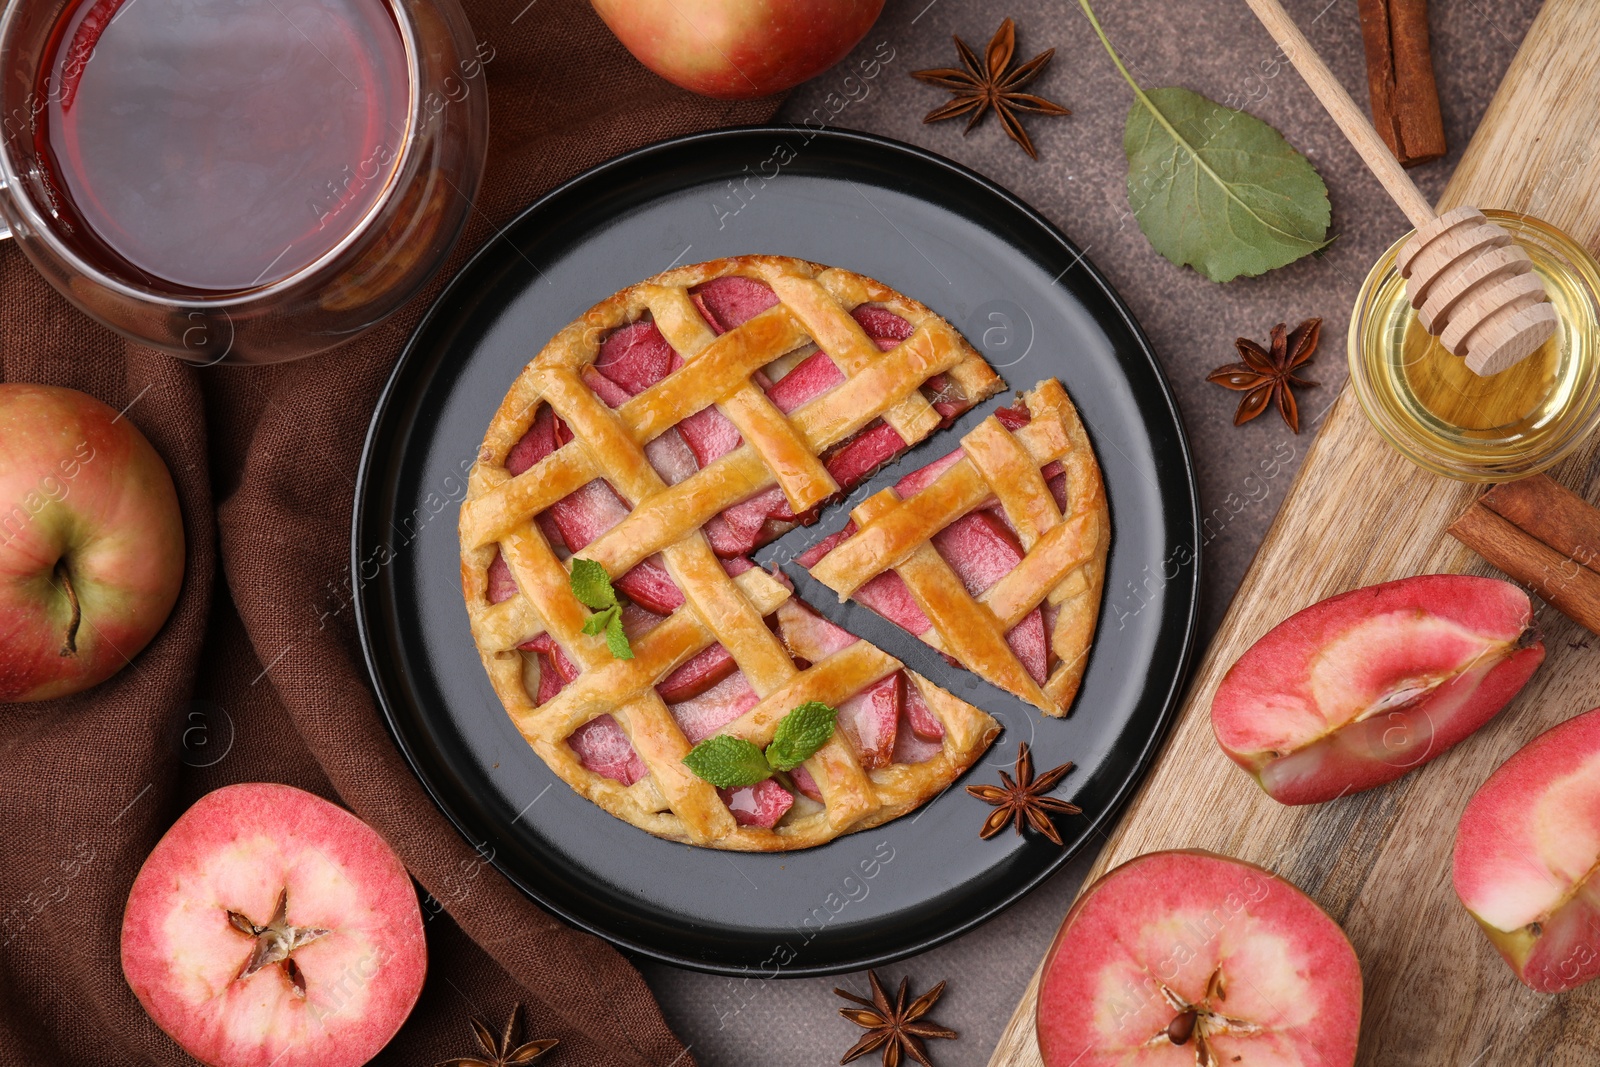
270,927
1357,690
1181,958
1526,855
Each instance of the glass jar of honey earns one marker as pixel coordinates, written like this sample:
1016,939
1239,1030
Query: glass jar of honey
1426,403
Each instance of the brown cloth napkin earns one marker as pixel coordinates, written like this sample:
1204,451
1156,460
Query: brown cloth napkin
257,674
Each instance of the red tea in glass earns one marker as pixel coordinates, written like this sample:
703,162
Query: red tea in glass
221,144
250,180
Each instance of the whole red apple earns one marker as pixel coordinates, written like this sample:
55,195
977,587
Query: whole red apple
91,542
737,49
270,928
1182,958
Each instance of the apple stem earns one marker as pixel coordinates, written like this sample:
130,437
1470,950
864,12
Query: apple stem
70,648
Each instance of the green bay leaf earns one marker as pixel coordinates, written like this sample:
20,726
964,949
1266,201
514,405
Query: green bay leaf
1217,189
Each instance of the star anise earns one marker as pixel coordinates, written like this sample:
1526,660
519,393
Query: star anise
893,1027
978,88
501,1054
276,942
1266,375
1023,800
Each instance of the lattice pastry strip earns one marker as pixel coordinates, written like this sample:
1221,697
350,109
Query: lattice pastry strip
782,446
1064,548
876,384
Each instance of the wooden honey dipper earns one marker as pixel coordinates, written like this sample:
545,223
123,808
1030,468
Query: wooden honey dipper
1471,286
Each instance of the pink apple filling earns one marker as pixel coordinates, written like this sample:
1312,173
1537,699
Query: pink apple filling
701,716
603,747
762,804
871,720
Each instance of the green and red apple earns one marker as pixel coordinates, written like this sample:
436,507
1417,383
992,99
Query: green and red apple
1181,958
91,542
738,49
270,928
1526,854
1355,691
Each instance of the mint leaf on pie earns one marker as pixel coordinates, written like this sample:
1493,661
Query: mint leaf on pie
592,585
728,762
616,640
596,623
799,735
1214,188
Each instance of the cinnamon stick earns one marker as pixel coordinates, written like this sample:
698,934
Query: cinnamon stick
1568,586
1405,100
1552,513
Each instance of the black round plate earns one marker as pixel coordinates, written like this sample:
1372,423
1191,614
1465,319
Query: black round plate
931,229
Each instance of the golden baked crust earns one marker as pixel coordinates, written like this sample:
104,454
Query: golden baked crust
498,518
1064,547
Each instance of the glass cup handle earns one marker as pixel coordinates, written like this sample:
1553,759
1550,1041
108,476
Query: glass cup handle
5,230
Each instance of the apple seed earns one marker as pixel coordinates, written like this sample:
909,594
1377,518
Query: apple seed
276,942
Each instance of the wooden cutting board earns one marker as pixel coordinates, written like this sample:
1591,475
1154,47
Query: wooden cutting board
1436,993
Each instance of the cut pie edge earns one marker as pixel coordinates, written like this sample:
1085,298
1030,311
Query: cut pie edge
1030,471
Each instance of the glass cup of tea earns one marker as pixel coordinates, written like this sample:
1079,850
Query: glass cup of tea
239,181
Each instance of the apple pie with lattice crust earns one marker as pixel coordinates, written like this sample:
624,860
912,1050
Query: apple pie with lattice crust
655,443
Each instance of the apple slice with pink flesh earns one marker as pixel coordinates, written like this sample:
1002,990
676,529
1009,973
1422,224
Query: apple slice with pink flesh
1357,690
710,434
809,379
885,328
732,301
544,435
762,804
701,716
502,584
1181,958
585,514
856,459
697,674
636,356
603,747
871,720
809,636
884,593
1526,855
981,549
807,785
270,927
919,717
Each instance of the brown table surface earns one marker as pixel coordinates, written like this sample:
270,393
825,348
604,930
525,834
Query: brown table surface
1216,48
